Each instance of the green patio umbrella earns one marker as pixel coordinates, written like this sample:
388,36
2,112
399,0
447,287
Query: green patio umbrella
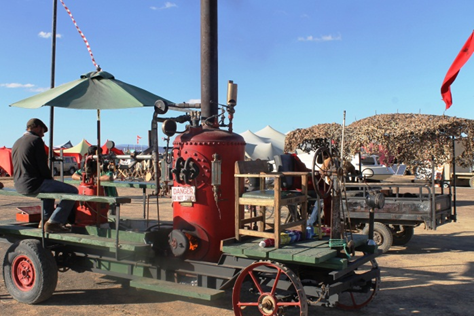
97,90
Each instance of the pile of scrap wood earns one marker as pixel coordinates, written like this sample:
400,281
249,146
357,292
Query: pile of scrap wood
408,138
313,137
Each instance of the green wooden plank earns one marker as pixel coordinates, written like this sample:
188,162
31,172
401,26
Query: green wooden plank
311,243
247,248
307,251
287,252
119,184
132,236
9,192
333,264
255,251
233,250
73,197
315,255
177,289
239,248
73,238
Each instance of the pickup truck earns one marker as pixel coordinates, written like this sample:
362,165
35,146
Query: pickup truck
407,205
372,170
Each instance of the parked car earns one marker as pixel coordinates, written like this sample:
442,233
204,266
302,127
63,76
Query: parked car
374,171
69,166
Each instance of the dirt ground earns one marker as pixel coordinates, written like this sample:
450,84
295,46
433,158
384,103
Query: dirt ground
432,275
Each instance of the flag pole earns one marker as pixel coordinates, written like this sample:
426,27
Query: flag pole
53,70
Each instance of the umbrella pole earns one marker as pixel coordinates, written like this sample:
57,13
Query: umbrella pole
98,151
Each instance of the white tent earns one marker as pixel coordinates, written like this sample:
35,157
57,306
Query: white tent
252,138
264,144
276,138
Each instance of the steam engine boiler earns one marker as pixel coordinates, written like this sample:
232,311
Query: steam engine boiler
204,177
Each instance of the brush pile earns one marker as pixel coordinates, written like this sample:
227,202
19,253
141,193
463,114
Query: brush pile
413,139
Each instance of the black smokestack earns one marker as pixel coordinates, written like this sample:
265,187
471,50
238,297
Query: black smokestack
209,60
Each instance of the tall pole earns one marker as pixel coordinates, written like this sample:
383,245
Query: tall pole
53,70
209,62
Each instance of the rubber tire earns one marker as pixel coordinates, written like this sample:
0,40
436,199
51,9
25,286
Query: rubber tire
382,236
55,172
402,238
44,270
471,182
72,170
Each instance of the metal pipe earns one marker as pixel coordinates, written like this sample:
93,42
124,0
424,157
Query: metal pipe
185,105
453,182
209,62
53,70
342,139
139,157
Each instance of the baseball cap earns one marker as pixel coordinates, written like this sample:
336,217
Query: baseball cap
34,122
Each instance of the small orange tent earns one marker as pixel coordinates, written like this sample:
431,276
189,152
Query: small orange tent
6,164
106,151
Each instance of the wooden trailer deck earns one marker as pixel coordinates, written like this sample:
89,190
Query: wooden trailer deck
98,238
314,252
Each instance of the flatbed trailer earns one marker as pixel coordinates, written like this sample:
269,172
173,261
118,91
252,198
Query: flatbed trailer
407,205
300,274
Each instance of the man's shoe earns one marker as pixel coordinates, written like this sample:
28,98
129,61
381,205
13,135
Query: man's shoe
55,228
41,223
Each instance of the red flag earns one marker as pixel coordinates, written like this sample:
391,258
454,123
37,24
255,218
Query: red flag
453,71
138,139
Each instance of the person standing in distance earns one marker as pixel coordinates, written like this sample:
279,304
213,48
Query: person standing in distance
32,176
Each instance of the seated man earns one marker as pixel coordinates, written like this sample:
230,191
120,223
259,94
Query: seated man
32,176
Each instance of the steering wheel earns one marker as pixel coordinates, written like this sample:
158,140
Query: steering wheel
324,166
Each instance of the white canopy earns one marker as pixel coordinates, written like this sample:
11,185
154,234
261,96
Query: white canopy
276,138
264,144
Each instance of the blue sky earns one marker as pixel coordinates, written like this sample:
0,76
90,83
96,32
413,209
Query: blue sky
296,63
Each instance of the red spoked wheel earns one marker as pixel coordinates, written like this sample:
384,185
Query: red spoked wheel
268,288
30,272
23,273
363,291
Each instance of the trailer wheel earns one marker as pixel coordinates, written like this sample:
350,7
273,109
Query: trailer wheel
383,236
30,272
471,182
268,288
362,291
402,234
